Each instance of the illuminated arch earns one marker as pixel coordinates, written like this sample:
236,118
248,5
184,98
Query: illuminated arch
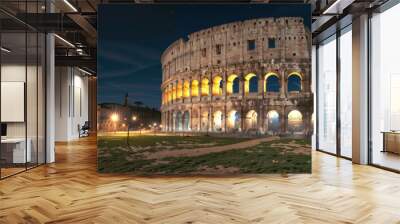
295,121
233,120
271,82
169,94
195,88
217,120
251,119
294,82
186,89
250,83
232,84
205,87
173,92
217,86
179,90
272,124
164,94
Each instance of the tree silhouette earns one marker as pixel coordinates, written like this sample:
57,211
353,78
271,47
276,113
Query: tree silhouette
138,103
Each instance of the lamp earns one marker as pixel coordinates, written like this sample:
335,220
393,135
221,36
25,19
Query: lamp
5,50
70,5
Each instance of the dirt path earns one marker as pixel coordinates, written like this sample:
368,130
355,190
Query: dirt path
207,150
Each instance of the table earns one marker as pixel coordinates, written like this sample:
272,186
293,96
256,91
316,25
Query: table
13,150
391,141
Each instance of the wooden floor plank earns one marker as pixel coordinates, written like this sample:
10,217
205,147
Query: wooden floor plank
71,191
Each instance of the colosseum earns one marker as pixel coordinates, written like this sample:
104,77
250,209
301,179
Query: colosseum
245,77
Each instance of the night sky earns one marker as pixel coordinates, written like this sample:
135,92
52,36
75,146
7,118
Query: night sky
131,39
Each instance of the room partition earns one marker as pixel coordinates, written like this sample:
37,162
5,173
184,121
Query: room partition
22,88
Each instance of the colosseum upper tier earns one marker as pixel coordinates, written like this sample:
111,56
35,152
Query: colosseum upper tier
249,77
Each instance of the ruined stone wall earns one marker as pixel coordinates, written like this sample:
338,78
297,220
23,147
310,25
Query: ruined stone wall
278,46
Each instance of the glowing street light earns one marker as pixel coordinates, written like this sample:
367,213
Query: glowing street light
134,118
114,117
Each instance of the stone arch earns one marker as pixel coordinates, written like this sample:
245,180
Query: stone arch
173,92
272,122
186,89
294,82
232,84
186,121
195,88
250,83
169,94
295,122
271,82
170,121
233,120
194,120
205,87
217,86
204,121
251,120
179,90
178,121
217,120
163,97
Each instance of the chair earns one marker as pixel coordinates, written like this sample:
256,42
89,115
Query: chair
84,130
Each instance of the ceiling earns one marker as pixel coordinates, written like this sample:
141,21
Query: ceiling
75,21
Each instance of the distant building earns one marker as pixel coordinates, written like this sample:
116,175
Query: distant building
117,117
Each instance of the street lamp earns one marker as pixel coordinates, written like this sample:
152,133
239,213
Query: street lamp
134,118
114,118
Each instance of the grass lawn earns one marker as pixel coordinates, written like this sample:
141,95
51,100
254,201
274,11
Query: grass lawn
279,156
156,143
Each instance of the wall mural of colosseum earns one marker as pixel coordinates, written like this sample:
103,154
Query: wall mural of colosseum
205,90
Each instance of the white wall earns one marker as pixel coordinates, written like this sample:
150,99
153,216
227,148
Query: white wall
71,102
33,126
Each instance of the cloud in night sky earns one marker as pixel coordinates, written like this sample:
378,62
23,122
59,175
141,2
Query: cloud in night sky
132,37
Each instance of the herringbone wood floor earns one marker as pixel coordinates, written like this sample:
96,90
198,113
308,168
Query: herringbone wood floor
71,191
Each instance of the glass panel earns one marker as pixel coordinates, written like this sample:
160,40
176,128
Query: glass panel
346,93
13,87
23,83
327,96
385,84
31,98
41,99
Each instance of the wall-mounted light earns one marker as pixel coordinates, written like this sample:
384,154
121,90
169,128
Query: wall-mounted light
5,50
70,5
64,40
